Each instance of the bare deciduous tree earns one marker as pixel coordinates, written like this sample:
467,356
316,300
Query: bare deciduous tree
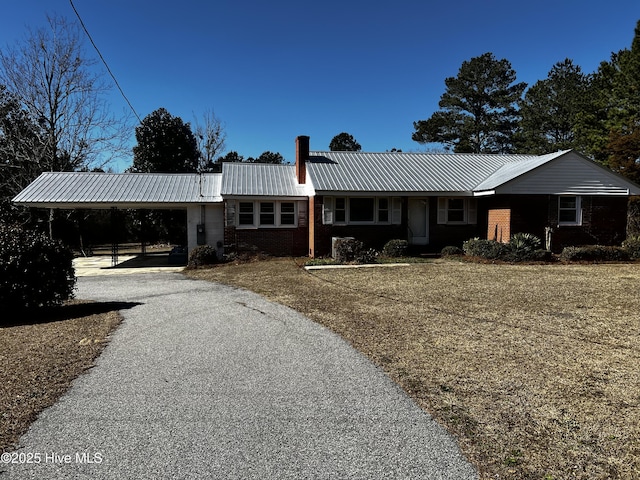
211,137
59,90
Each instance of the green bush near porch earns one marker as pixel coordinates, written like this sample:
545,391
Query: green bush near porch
395,248
201,256
351,250
522,247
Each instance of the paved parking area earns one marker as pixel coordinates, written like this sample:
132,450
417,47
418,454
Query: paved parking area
127,265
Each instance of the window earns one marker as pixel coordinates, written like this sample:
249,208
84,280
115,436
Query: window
383,210
457,211
267,213
287,213
246,213
341,210
361,209
569,212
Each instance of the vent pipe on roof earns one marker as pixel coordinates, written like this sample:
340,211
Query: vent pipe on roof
302,155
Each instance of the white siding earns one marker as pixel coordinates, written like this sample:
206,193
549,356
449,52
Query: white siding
568,175
214,225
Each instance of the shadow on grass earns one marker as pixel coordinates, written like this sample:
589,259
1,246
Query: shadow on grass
69,311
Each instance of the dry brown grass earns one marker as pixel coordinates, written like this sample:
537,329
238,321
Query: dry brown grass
41,353
534,368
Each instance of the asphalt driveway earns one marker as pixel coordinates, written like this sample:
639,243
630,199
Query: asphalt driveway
207,381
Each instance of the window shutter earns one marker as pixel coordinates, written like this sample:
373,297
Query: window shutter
230,213
327,211
442,210
396,214
302,214
472,211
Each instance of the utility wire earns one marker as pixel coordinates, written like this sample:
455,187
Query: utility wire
104,61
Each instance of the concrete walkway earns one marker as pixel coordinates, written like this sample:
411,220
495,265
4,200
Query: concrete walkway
127,265
207,381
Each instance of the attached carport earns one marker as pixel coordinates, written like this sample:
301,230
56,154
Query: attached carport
198,194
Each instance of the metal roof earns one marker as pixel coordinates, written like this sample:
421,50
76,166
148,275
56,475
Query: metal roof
124,190
327,172
414,172
260,179
512,170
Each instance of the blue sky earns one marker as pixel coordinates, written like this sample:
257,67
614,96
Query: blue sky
275,70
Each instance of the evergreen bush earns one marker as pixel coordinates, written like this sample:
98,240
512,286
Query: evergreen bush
632,246
523,246
594,253
351,250
35,271
201,256
395,248
451,250
489,249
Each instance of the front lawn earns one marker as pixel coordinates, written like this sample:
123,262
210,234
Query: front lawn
534,368
41,353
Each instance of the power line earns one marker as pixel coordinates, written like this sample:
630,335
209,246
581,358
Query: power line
104,61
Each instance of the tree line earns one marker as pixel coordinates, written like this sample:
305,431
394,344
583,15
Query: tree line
485,110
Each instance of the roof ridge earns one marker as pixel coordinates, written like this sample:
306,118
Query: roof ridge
436,154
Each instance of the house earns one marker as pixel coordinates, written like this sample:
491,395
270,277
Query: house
431,200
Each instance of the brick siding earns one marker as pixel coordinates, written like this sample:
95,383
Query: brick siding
499,225
274,241
604,219
603,222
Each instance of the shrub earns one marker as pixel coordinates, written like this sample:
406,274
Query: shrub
490,249
36,271
594,253
632,246
353,251
525,241
395,248
202,255
367,255
541,255
451,250
523,246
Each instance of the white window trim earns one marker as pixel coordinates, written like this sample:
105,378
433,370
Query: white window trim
394,211
578,209
346,211
389,210
260,213
277,214
470,214
362,222
239,214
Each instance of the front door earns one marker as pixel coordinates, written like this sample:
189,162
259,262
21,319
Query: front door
418,221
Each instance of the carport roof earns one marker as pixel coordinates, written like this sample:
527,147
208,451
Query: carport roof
120,190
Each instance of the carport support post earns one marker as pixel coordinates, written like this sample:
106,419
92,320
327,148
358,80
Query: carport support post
143,231
114,236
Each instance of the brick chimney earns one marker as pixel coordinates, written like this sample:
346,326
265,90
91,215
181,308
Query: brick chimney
302,155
